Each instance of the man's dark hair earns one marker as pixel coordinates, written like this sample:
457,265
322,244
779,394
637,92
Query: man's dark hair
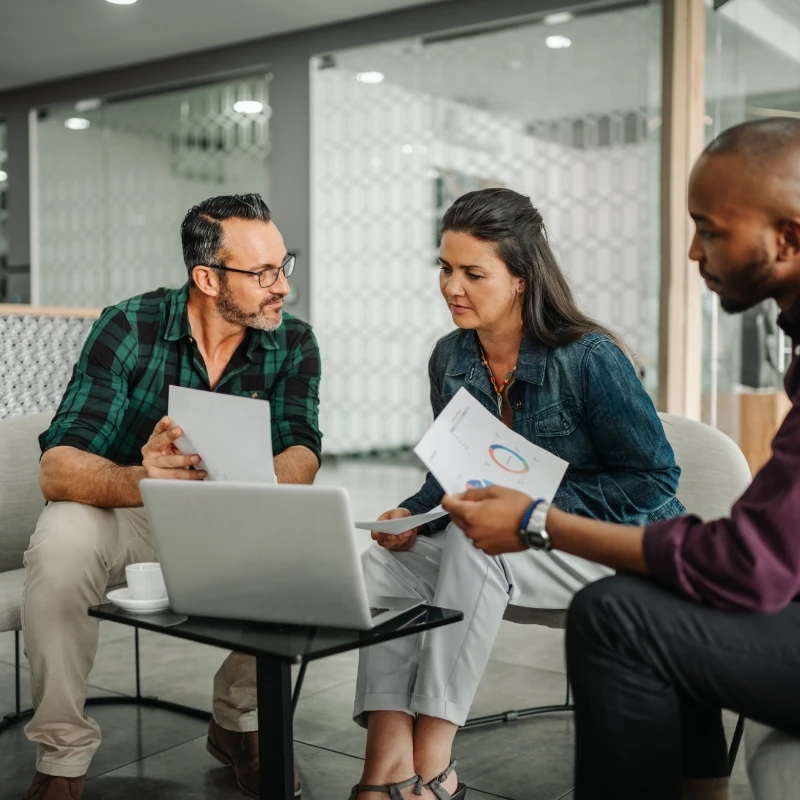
201,229
758,140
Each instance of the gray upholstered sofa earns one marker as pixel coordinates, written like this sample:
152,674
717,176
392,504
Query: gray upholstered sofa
21,502
773,762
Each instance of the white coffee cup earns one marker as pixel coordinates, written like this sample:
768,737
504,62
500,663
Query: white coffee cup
145,581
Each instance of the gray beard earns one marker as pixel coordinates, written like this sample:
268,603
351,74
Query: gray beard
233,313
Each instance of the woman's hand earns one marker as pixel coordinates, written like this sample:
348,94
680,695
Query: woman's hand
396,541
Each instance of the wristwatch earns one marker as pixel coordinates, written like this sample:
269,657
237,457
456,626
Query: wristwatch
533,534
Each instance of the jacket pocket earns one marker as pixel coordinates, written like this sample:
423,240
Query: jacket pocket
558,420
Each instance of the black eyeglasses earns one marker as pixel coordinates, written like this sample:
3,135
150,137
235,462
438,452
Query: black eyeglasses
266,277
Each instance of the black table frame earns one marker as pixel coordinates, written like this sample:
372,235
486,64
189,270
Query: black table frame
274,689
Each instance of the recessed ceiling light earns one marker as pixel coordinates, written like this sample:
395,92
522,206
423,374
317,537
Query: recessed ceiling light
370,77
559,18
121,2
3,176
558,42
91,104
77,124
248,107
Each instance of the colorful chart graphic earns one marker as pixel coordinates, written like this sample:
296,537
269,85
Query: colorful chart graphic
508,460
478,484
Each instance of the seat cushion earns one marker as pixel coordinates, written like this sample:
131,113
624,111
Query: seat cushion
773,762
11,599
21,500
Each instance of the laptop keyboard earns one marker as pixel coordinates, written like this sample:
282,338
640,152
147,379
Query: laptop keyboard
373,612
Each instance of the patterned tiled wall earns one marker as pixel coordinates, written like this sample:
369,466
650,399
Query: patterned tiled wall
112,196
37,355
383,154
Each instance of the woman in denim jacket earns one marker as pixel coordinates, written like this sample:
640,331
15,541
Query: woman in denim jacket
561,380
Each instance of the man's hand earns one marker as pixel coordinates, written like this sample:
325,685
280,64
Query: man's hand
396,541
161,459
491,517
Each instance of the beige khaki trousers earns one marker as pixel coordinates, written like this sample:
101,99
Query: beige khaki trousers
77,552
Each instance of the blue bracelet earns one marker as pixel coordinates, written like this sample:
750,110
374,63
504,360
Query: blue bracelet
529,513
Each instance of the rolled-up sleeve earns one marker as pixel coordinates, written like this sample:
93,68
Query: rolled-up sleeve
295,402
752,559
93,406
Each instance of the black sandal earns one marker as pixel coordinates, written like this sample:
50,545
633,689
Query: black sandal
392,789
440,792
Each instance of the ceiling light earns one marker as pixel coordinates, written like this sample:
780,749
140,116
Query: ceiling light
121,2
559,18
407,149
77,124
370,77
3,176
92,104
558,42
248,107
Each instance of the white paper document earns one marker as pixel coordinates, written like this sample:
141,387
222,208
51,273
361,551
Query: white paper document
402,525
233,435
467,447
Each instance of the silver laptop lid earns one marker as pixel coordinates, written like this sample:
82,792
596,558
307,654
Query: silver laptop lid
258,552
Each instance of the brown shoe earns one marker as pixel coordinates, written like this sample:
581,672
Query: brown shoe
52,787
240,751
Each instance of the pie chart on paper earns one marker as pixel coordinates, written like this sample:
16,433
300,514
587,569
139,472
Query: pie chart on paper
508,460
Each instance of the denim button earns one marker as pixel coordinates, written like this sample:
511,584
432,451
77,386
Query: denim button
565,424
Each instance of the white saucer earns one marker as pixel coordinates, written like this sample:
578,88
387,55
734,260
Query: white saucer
122,598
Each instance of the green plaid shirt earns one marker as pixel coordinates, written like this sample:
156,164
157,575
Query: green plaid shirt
138,348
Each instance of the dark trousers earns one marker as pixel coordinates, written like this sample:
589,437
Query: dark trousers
651,672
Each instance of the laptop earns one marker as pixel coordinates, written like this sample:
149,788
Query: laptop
263,553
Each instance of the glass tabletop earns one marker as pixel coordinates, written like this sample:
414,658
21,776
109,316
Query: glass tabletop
288,643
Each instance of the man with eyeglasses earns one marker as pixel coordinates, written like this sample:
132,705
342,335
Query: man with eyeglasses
223,331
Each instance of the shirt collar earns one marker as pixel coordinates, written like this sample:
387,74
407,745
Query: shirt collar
789,321
178,323
178,315
531,361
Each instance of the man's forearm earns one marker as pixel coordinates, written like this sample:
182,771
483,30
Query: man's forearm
617,546
69,474
296,465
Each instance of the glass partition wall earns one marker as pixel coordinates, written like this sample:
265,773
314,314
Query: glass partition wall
3,212
564,108
753,71
116,178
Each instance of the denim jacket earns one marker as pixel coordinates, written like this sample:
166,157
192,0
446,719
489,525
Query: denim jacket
585,403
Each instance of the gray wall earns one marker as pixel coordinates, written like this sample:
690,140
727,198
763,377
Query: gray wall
287,57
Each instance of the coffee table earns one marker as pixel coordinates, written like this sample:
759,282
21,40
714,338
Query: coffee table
276,648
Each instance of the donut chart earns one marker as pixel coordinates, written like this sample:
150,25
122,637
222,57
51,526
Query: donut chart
508,460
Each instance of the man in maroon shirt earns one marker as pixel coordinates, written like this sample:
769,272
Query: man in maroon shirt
716,623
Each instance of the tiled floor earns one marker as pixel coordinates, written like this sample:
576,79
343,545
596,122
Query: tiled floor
161,756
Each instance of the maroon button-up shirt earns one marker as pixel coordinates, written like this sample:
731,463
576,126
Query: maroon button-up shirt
751,560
